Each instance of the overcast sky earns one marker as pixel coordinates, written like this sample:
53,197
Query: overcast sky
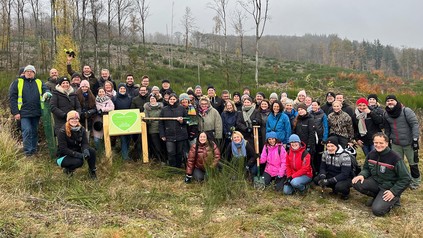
393,22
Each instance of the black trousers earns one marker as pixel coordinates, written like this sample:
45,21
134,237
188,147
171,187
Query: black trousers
278,181
371,188
342,187
73,163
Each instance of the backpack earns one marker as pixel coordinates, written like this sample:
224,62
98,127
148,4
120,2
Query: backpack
355,167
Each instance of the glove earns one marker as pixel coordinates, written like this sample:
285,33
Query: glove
188,178
322,176
416,144
318,178
326,182
232,128
89,113
249,129
46,96
100,112
86,153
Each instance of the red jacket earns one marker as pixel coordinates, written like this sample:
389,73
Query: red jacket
297,166
204,153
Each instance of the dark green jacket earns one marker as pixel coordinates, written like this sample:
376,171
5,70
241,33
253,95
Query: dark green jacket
388,169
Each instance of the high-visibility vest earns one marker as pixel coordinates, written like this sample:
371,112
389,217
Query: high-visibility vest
20,89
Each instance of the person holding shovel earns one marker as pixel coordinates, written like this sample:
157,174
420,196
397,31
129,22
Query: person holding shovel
274,156
88,107
298,167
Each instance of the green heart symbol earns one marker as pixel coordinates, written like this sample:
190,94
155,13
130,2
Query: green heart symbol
124,121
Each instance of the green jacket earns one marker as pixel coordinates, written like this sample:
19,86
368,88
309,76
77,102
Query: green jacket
153,111
388,170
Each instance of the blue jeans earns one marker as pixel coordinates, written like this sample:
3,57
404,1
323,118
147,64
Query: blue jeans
367,148
297,183
124,145
29,126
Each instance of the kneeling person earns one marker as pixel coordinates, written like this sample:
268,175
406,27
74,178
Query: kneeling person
384,177
73,146
335,169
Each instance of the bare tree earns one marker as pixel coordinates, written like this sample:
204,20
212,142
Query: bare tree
143,9
220,7
6,29
110,17
238,25
188,24
258,9
123,8
96,10
20,12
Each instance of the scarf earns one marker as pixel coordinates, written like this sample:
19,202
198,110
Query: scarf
361,118
238,149
247,112
395,112
191,110
203,112
101,99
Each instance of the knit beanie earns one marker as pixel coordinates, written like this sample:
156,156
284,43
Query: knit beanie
302,106
372,96
262,94
72,114
30,68
333,140
183,96
274,96
62,79
391,97
302,92
362,100
74,75
294,138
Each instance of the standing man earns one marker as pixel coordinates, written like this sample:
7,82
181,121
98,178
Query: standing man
215,101
104,76
402,128
225,96
384,177
52,80
25,96
345,107
327,107
140,99
131,87
145,81
87,73
75,81
165,87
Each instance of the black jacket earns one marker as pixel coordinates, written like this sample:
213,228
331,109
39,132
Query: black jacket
72,146
139,101
172,129
243,127
62,103
304,128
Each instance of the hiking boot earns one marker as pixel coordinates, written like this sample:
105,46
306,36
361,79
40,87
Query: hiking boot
369,202
345,196
414,186
92,174
397,203
68,172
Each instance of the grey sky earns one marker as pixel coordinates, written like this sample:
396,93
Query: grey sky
393,22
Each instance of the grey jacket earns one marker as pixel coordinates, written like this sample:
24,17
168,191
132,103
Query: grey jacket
403,129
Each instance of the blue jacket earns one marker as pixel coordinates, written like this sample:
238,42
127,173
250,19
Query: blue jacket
31,105
291,115
279,124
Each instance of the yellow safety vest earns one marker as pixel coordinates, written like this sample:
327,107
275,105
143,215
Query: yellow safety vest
20,89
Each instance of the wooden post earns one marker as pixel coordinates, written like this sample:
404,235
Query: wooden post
107,144
144,139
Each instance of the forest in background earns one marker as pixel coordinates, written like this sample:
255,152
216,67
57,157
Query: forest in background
105,32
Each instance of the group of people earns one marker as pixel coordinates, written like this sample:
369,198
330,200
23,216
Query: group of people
203,130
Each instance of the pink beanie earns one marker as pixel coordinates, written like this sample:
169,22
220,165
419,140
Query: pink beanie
84,83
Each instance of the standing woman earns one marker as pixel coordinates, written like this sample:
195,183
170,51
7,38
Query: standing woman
298,168
279,123
229,118
366,124
264,112
203,154
340,124
209,119
290,111
87,100
301,96
174,132
304,128
322,132
109,89
248,118
274,155
153,109
103,105
73,146
123,101
63,101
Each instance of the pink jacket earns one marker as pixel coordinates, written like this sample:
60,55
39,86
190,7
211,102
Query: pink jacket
276,163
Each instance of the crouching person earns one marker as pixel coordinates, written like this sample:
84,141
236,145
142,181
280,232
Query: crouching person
274,155
384,177
335,169
73,146
298,167
203,154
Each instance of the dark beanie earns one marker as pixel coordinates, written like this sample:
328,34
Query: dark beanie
165,81
210,87
372,96
302,106
237,93
333,140
391,97
190,92
61,79
262,94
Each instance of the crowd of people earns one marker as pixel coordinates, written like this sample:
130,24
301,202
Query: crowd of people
301,141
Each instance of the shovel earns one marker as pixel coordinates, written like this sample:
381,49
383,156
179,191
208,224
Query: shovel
258,180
